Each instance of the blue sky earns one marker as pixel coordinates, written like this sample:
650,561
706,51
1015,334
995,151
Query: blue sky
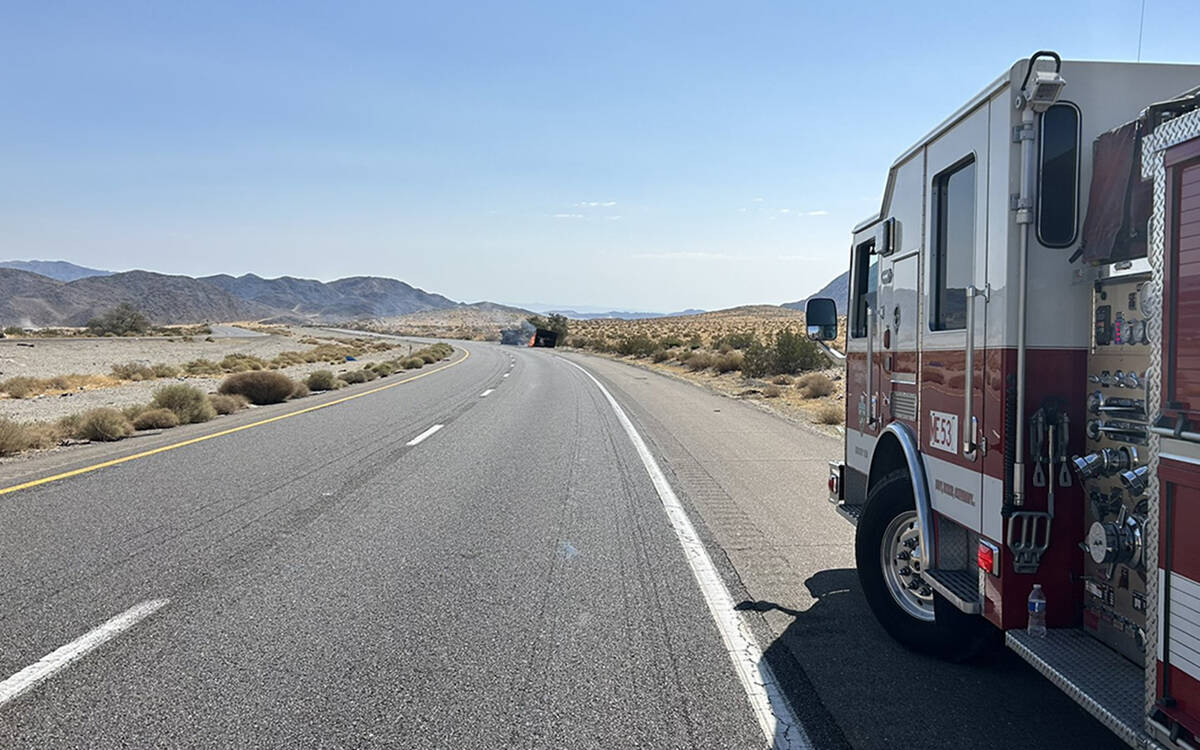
636,155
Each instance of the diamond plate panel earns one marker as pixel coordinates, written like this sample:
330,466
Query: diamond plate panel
1170,133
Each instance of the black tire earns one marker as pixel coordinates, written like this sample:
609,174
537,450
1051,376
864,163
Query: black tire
952,634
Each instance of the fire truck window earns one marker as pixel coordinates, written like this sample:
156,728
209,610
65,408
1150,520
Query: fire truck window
954,245
866,281
1058,197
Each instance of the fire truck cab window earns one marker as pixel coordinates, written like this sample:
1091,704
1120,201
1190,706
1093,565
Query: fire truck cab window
953,245
866,282
1058,196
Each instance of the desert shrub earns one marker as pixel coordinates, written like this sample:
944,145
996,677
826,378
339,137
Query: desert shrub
660,355
289,358
69,425
814,385
104,424
42,435
736,340
14,437
241,363
134,371
330,353
729,361
300,390
133,412
202,367
156,419
259,386
772,391
189,403
122,320
797,353
353,377
414,363
829,413
223,403
757,361
163,370
383,369
20,386
14,331
694,341
670,342
428,356
638,345
59,383
782,380
322,380
700,361
369,374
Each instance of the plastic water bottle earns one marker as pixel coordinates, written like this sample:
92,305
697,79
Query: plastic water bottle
1037,612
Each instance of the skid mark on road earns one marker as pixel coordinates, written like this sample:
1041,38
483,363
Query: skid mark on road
222,433
775,717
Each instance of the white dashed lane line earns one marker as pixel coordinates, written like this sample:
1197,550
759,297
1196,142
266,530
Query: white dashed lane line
427,433
58,659
485,393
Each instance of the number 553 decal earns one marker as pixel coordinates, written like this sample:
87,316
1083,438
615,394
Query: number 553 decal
943,431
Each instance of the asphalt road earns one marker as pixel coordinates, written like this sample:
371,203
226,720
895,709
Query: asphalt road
511,579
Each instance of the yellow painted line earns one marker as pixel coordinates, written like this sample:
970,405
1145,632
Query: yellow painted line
222,433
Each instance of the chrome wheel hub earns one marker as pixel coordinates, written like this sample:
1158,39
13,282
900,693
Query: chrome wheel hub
903,568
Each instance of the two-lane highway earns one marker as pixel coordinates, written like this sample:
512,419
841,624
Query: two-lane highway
467,559
516,548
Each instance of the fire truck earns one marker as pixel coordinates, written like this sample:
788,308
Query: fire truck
1022,376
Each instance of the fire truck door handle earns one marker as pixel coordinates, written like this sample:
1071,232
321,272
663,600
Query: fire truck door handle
871,418
969,446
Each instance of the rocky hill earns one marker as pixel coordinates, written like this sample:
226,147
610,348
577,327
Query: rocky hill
30,299
55,269
351,298
838,289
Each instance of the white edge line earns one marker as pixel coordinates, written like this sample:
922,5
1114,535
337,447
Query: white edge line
507,374
425,434
485,393
775,717
59,658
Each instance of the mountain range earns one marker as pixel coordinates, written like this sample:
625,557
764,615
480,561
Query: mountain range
58,293
78,294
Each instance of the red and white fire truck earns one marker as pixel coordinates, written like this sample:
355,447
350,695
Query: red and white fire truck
1023,387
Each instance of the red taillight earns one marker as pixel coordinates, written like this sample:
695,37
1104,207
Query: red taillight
833,484
986,558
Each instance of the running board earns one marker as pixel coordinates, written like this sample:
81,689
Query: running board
1104,683
849,512
960,587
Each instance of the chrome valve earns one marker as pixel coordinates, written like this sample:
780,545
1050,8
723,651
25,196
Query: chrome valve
1135,480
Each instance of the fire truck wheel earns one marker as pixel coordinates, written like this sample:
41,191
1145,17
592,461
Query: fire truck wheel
888,555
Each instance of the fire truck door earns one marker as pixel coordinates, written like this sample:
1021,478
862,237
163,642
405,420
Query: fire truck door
953,344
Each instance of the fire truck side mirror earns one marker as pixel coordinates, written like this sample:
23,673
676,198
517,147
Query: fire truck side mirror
820,317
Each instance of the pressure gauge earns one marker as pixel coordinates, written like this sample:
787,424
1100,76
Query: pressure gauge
1146,302
1137,331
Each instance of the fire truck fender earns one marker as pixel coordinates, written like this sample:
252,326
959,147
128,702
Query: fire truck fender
895,448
